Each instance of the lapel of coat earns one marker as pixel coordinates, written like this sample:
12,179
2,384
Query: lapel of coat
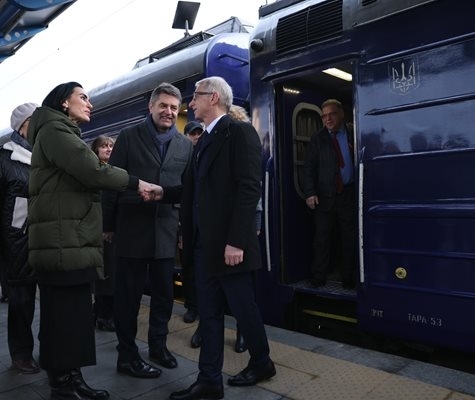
219,135
173,148
145,136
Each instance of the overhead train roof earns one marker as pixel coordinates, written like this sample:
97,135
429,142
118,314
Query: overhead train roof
20,20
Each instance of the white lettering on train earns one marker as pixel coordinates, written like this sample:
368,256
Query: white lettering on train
425,319
376,313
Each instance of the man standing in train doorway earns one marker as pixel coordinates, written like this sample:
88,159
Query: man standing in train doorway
146,233
329,189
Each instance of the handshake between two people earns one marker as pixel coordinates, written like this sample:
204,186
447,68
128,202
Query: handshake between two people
150,191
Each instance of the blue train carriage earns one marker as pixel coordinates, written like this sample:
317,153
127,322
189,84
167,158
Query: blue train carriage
410,96
221,50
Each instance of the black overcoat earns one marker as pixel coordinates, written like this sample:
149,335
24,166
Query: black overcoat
227,189
146,229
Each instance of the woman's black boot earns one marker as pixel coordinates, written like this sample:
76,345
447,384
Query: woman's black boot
62,386
84,389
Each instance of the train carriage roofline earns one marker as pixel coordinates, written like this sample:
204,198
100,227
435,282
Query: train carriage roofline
185,59
222,50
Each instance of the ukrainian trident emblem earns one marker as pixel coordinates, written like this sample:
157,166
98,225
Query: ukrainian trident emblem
404,75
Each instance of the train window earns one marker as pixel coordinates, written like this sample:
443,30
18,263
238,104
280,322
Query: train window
306,120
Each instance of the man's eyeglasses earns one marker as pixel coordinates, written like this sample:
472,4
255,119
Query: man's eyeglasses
196,132
330,114
196,94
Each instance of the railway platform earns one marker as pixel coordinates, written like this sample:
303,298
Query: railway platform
308,368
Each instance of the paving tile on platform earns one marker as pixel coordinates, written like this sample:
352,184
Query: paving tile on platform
286,381
397,388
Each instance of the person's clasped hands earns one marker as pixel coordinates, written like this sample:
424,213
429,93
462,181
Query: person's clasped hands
150,191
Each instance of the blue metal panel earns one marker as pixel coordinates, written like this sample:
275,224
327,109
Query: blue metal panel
418,151
20,20
32,5
228,56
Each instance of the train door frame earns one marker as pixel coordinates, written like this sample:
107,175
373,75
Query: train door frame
325,303
282,123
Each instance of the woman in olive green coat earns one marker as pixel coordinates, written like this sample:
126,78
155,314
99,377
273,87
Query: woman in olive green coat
65,234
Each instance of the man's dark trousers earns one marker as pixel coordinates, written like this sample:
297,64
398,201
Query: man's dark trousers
130,285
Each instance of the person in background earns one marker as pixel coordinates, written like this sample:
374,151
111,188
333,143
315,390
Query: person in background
329,187
193,131
3,265
239,113
65,235
3,279
15,159
104,288
219,239
146,234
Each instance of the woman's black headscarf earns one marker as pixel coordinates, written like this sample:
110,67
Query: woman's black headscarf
58,95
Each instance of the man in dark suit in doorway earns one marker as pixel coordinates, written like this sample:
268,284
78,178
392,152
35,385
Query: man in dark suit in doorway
220,240
146,233
329,188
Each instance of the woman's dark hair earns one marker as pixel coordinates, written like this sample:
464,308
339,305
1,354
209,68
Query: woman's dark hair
58,95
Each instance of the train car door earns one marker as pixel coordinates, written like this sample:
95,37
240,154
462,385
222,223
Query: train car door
298,117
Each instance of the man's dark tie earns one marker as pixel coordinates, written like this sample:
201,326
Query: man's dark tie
205,137
341,162
202,144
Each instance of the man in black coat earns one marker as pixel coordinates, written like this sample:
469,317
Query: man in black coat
329,189
220,240
15,159
146,233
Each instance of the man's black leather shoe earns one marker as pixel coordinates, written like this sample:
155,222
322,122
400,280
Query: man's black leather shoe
190,316
196,339
199,391
138,369
249,376
163,357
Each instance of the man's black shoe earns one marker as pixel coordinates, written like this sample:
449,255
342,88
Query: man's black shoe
138,369
249,376
317,282
190,316
199,391
196,339
163,357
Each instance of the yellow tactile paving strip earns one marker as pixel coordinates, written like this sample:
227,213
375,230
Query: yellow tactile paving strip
304,375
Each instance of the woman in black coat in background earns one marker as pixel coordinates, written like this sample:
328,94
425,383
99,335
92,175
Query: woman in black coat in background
15,159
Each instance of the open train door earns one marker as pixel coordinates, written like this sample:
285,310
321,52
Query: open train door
298,117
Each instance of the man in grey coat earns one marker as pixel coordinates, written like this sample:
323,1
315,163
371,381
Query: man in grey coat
146,234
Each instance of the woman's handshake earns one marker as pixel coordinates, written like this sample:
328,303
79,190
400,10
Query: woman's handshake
150,191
